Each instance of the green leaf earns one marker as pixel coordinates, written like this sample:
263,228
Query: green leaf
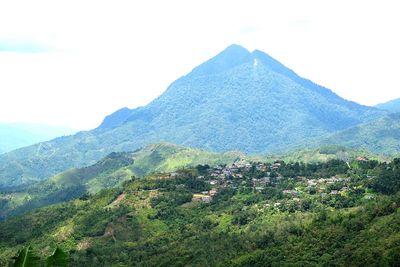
58,259
26,258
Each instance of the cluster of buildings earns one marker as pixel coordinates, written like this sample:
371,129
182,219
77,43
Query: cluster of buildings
225,177
241,173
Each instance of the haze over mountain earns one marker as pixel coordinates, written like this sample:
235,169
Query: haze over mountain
17,135
391,106
379,136
238,100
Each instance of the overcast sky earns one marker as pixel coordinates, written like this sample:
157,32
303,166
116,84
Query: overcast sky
73,62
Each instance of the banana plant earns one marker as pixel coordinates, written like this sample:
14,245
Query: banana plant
28,258
58,259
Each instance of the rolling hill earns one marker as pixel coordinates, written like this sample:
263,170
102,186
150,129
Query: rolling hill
111,171
381,136
116,168
238,100
391,106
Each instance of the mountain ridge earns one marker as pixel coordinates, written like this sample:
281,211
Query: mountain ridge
391,106
234,101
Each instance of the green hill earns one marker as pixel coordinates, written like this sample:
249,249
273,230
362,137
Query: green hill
327,152
116,168
238,100
381,136
391,106
109,172
303,215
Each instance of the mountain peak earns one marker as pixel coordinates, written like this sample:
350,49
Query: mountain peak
230,57
236,48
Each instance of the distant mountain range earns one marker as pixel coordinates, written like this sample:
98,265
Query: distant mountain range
17,135
380,136
238,100
391,106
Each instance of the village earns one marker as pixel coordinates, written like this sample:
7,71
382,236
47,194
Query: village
260,177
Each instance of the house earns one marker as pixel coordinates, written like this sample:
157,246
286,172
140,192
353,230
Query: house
201,198
262,182
213,192
261,167
311,182
290,192
362,158
334,192
276,165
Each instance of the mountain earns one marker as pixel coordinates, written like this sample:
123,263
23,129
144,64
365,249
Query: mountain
238,100
380,136
17,135
391,106
111,171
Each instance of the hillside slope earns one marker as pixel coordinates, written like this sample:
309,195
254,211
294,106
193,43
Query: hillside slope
235,101
109,172
391,106
381,136
307,221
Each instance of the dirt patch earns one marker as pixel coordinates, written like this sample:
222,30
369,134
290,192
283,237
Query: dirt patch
83,245
116,202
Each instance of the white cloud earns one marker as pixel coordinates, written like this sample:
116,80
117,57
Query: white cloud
110,54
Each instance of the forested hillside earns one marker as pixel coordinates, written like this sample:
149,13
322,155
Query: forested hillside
243,214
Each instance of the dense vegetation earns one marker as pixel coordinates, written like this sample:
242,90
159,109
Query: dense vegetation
236,101
109,172
380,136
277,214
116,168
